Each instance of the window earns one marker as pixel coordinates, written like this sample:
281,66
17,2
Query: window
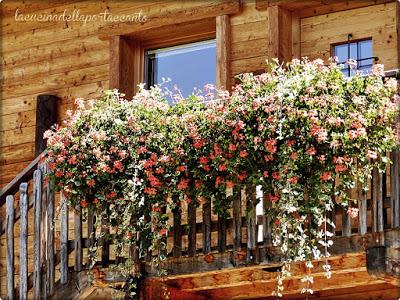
360,51
189,66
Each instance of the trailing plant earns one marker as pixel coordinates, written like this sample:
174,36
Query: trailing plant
302,131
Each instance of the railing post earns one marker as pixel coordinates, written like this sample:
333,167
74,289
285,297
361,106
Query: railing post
23,244
362,211
377,201
50,238
10,247
237,219
252,255
192,228
206,227
177,244
395,188
78,238
37,194
64,240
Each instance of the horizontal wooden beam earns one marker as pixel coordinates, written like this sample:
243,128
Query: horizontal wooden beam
309,8
197,12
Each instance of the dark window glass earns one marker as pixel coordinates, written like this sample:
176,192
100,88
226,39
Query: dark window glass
360,51
189,67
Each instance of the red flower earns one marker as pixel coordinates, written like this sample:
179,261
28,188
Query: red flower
293,180
232,147
163,231
326,176
141,150
91,182
242,176
181,168
118,165
243,153
217,150
72,160
266,174
150,191
59,173
230,184
294,156
276,175
183,184
159,170
273,198
84,203
203,160
340,168
222,168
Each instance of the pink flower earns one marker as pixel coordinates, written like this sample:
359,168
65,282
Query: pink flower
311,151
91,182
266,174
183,184
293,180
230,184
273,198
294,156
181,168
232,147
270,145
352,212
372,154
222,168
217,149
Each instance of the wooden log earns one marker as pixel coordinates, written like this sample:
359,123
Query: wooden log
377,201
177,246
192,229
362,211
91,228
237,220
206,227
223,49
43,237
23,244
395,186
78,238
251,223
46,116
37,193
50,238
10,247
221,225
64,240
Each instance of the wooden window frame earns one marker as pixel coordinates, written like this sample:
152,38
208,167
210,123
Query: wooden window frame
127,46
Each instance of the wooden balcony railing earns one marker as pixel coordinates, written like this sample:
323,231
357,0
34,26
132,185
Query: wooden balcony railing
198,236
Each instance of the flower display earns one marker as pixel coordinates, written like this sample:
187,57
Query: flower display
301,130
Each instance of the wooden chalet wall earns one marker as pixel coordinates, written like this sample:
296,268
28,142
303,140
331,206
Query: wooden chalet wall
377,22
67,59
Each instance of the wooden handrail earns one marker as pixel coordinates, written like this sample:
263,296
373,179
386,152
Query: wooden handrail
26,174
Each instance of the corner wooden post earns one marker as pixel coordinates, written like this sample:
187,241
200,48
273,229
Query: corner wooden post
46,116
280,42
126,65
223,41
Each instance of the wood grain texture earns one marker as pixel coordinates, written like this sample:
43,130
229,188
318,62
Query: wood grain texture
206,227
78,239
377,201
46,116
192,228
50,251
177,246
223,48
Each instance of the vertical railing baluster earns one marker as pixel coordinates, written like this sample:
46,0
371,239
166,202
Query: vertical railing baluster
192,228
43,236
395,188
206,227
346,223
105,249
237,219
221,226
362,211
78,238
23,244
177,244
377,201
267,229
64,240
10,247
50,237
37,193
252,254
91,231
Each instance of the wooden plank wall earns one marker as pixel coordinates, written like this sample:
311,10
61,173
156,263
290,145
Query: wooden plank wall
69,61
378,22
